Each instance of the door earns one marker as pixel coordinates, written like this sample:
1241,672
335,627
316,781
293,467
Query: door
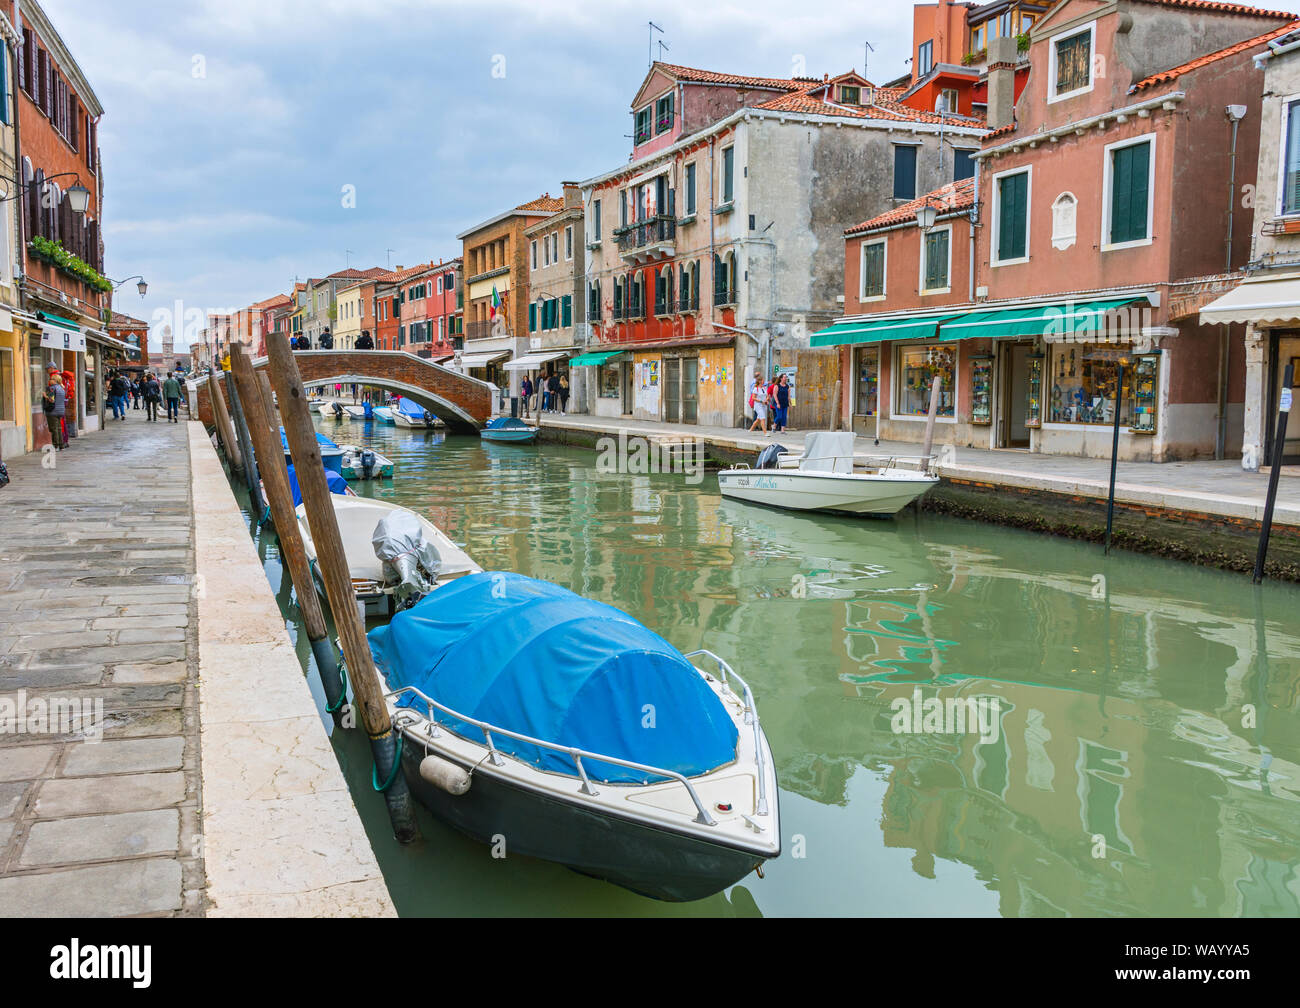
866,389
690,390
1285,350
672,389
1012,432
627,387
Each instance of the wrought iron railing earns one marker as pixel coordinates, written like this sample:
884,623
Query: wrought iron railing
648,232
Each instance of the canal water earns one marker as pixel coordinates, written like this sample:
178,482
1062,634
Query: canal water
1134,747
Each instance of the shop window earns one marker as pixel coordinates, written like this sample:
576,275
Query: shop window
8,408
867,397
917,368
609,381
981,409
1146,377
1083,381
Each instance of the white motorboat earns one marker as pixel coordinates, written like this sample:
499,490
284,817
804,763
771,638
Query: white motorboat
355,412
364,464
409,413
825,478
358,519
522,711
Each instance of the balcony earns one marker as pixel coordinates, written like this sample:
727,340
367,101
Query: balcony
688,305
724,297
648,240
625,313
481,330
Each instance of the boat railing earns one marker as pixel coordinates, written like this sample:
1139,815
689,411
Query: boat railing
750,718
575,754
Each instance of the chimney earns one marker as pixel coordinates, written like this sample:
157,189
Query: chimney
1003,57
572,194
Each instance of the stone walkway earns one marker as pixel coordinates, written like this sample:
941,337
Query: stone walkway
99,814
1216,488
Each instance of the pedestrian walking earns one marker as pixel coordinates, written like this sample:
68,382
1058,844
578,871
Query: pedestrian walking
152,394
117,391
527,390
171,390
70,405
364,342
553,390
564,394
135,393
758,403
54,405
782,412
326,340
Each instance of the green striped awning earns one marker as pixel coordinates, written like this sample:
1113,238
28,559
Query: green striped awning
1083,318
868,331
591,359
58,320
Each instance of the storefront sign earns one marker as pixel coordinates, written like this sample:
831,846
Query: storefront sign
58,338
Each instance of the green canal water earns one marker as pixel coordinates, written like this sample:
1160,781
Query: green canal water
1140,752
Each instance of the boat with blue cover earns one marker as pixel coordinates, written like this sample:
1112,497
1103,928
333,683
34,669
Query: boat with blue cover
330,453
508,430
409,413
580,735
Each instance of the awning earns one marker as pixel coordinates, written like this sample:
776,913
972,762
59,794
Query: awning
99,336
473,360
595,359
532,361
1273,299
58,333
1084,321
874,331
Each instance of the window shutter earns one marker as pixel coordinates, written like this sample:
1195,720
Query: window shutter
567,319
532,318
1012,193
1129,193
4,87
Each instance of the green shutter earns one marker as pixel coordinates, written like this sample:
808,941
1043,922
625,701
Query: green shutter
1013,192
1130,196
532,318
567,319
873,268
936,261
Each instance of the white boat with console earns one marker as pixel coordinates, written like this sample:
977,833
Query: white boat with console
394,555
522,708
826,478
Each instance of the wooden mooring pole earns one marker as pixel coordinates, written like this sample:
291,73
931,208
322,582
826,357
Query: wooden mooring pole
927,447
275,476
1274,471
1114,454
225,429
251,478
333,565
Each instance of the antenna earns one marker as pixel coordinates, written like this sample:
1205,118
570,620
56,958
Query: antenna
389,253
347,258
866,58
649,47
663,48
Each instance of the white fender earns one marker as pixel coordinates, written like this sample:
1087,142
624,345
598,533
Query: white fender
444,774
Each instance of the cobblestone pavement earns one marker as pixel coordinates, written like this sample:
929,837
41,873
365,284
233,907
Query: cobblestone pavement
100,815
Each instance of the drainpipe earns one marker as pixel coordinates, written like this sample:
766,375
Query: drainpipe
1235,114
972,216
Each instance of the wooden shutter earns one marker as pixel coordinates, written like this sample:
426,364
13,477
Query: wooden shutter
1013,191
567,311
1130,181
532,318
873,262
936,260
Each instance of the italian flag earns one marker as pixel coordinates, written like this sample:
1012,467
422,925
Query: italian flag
496,303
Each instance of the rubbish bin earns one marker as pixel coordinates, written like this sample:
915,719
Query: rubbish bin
514,407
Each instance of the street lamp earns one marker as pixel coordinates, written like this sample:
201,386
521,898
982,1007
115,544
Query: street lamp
78,195
926,216
142,287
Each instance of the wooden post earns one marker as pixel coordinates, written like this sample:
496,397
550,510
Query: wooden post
332,563
1114,454
275,476
251,478
837,407
224,426
1274,471
929,420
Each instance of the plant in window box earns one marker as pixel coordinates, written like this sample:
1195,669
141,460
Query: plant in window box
974,57
1022,42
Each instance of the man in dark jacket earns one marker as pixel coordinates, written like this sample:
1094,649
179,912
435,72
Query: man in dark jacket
553,388
364,342
326,340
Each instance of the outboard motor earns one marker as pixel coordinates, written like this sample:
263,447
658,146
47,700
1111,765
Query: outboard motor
367,463
338,410
768,456
428,419
410,563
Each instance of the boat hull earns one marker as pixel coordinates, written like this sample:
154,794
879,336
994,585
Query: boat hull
809,491
646,859
402,420
509,436
384,414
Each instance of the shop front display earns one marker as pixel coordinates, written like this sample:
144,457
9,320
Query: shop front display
918,366
1146,373
1034,408
981,405
867,382
1083,381
610,375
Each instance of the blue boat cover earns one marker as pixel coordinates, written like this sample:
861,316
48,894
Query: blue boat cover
336,483
539,660
410,407
507,423
321,439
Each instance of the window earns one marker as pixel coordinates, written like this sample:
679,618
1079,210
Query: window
568,243
532,318
1070,71
4,87
935,261
904,172
546,250
533,248
978,41
918,366
643,125
1005,22
690,184
664,113
8,411
595,221
555,246
1128,208
873,270
451,281
850,95
566,311
950,100
1011,217
963,165
439,287
1291,161
622,207
728,174
593,302
1082,379
925,58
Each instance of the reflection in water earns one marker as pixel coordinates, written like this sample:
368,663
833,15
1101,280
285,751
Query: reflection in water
1143,759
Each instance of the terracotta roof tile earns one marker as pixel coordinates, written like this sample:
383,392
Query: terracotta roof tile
271,302
119,321
953,197
810,101
1214,7
710,77
1174,73
546,203
356,274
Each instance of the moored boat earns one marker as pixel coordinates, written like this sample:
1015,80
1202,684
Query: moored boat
508,430
384,413
355,412
409,413
523,713
825,478
331,455
364,463
382,591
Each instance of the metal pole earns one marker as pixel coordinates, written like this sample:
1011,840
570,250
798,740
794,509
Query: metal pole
1114,454
275,475
1274,471
332,563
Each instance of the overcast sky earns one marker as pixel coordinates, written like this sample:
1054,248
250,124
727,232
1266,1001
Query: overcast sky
232,128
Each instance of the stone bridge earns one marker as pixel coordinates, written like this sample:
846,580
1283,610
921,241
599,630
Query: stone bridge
462,403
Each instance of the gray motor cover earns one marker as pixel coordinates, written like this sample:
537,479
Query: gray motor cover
410,562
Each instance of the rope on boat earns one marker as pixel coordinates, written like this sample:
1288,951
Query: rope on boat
343,687
397,766
266,516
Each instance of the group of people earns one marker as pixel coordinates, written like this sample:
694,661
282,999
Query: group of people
58,403
326,342
146,388
771,399
553,390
